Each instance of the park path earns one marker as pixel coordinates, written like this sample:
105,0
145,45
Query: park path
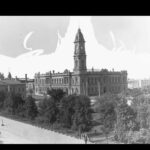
18,132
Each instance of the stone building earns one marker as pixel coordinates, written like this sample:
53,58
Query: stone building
28,82
145,83
132,83
14,86
81,80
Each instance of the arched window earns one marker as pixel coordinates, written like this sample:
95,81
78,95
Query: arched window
89,80
82,63
76,79
66,90
76,90
72,91
76,63
104,89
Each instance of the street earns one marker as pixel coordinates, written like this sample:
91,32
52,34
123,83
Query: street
15,132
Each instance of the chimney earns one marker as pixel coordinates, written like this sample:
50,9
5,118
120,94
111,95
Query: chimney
16,78
26,78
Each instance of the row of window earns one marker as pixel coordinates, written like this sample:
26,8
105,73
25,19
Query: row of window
104,89
44,89
94,80
17,89
56,81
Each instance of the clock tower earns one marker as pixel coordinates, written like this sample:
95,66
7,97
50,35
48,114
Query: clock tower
79,53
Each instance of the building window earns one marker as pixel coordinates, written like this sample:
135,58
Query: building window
76,91
76,63
76,79
91,80
104,89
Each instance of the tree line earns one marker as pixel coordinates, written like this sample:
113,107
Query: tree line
71,112
128,123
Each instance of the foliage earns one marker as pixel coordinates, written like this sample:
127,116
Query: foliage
31,108
134,92
142,105
107,98
2,98
48,109
82,116
67,110
56,94
72,112
2,76
126,121
139,137
13,103
58,110
106,109
8,103
9,76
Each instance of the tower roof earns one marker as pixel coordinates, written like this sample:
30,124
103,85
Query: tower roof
79,37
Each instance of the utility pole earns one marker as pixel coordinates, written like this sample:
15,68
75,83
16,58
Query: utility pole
99,88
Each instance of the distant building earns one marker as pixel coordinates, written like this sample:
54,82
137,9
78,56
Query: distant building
145,83
82,81
28,82
132,83
139,83
13,86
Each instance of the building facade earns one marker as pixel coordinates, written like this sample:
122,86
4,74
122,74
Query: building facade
14,86
81,80
28,82
139,83
145,83
132,83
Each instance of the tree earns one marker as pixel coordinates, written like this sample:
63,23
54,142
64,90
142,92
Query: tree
67,111
106,128
82,116
2,76
51,111
107,98
13,103
106,106
56,94
48,111
31,108
140,137
134,92
18,103
8,103
9,76
126,121
142,105
2,98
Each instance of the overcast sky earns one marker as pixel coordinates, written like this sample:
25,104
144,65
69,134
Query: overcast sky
41,32
133,31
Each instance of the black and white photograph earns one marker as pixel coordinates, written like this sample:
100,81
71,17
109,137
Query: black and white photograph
74,79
